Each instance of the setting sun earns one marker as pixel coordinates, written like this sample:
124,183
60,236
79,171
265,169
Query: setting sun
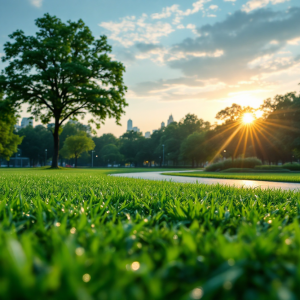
248,118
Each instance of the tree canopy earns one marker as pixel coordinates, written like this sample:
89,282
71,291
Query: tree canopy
75,145
8,140
63,72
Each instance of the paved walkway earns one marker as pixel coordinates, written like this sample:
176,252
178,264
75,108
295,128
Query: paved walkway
232,182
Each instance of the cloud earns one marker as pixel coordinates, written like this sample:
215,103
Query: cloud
178,14
36,3
214,7
255,4
243,52
131,30
192,88
241,38
229,0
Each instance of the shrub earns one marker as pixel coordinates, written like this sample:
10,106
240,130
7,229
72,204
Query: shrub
250,162
267,167
255,170
292,167
288,166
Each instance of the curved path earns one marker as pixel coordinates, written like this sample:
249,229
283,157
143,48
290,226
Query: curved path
232,182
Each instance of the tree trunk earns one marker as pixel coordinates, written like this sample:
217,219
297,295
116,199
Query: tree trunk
75,161
56,145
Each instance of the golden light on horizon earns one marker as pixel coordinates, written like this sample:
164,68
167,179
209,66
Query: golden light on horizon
248,118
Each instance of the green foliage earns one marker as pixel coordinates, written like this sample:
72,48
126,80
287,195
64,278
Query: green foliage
292,166
75,145
8,140
248,170
75,234
63,72
268,167
250,162
111,154
195,148
288,166
35,141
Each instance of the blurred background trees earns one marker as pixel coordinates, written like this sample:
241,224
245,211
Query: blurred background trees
273,137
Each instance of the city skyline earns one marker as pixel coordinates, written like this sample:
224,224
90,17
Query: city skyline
186,56
148,133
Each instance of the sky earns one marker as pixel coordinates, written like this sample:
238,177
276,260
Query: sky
183,56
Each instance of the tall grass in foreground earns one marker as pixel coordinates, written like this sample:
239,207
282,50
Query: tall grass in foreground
72,235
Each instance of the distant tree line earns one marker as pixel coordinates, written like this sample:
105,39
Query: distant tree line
273,137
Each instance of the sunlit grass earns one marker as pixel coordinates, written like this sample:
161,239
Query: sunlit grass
79,234
278,177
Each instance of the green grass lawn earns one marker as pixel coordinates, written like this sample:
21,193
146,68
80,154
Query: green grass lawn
279,177
79,234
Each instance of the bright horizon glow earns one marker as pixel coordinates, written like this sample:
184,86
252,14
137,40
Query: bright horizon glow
248,118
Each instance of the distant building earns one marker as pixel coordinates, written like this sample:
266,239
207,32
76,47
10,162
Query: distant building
129,125
26,122
147,135
163,125
170,120
135,129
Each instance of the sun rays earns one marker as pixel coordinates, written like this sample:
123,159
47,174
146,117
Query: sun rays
248,118
250,133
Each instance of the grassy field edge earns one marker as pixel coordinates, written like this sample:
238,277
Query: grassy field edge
280,177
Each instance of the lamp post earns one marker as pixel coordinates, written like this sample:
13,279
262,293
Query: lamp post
163,154
46,156
93,158
224,154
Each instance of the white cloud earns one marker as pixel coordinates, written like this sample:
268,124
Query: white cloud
166,12
131,30
294,42
179,14
36,3
254,4
192,27
214,7
229,0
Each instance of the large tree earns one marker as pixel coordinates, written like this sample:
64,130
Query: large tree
61,72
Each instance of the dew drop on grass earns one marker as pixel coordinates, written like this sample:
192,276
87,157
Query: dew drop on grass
288,241
197,293
86,277
135,266
79,251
